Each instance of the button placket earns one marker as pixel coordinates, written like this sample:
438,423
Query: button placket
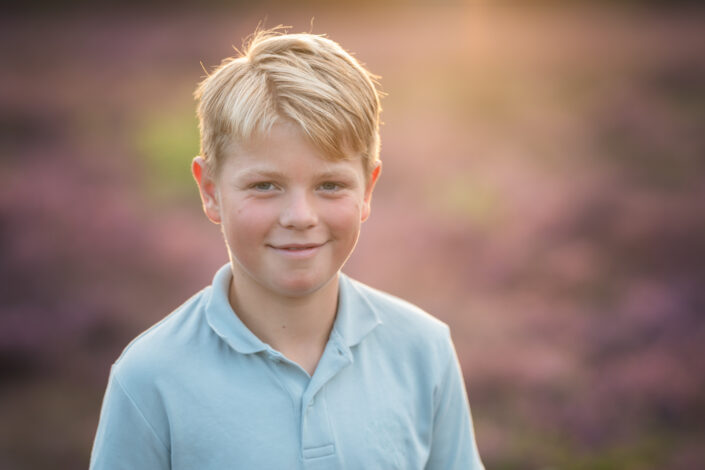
317,435
316,439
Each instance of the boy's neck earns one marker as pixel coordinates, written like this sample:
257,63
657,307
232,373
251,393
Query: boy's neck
298,327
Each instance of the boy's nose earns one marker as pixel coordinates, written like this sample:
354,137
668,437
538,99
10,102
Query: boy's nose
298,212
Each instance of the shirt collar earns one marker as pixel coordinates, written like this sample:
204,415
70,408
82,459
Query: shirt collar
223,320
355,318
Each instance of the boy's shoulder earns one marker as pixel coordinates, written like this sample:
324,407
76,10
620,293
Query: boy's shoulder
168,341
389,328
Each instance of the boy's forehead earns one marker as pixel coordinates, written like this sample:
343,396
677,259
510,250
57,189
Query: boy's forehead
266,153
283,132
252,165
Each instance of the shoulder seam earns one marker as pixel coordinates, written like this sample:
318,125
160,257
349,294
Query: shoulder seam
134,404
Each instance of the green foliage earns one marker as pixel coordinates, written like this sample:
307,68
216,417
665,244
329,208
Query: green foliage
166,142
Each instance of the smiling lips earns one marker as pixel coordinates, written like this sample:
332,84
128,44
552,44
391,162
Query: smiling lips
297,250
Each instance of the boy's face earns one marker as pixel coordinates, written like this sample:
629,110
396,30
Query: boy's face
290,217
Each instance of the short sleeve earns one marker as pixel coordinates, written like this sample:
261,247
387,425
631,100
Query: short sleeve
125,439
453,445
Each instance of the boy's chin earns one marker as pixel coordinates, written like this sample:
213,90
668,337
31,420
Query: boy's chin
301,286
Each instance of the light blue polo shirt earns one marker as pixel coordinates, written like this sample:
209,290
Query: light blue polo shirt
199,390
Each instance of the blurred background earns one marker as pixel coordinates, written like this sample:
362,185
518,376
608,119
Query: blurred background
542,193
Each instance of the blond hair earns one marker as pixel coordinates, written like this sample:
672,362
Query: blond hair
304,78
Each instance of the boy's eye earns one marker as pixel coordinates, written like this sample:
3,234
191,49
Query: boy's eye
330,186
263,186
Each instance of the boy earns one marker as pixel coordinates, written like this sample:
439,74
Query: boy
284,362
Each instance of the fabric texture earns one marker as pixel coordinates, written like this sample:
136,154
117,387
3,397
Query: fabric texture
198,390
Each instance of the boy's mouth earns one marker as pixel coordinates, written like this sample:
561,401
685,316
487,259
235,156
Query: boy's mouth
297,246
297,251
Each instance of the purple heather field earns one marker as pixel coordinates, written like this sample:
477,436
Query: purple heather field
543,193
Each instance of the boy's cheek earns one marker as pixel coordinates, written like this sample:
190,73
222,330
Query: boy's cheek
346,219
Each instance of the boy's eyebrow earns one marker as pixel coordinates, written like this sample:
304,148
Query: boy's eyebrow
334,174
254,172
274,174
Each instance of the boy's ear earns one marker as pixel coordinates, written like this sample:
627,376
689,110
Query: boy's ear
374,176
207,188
